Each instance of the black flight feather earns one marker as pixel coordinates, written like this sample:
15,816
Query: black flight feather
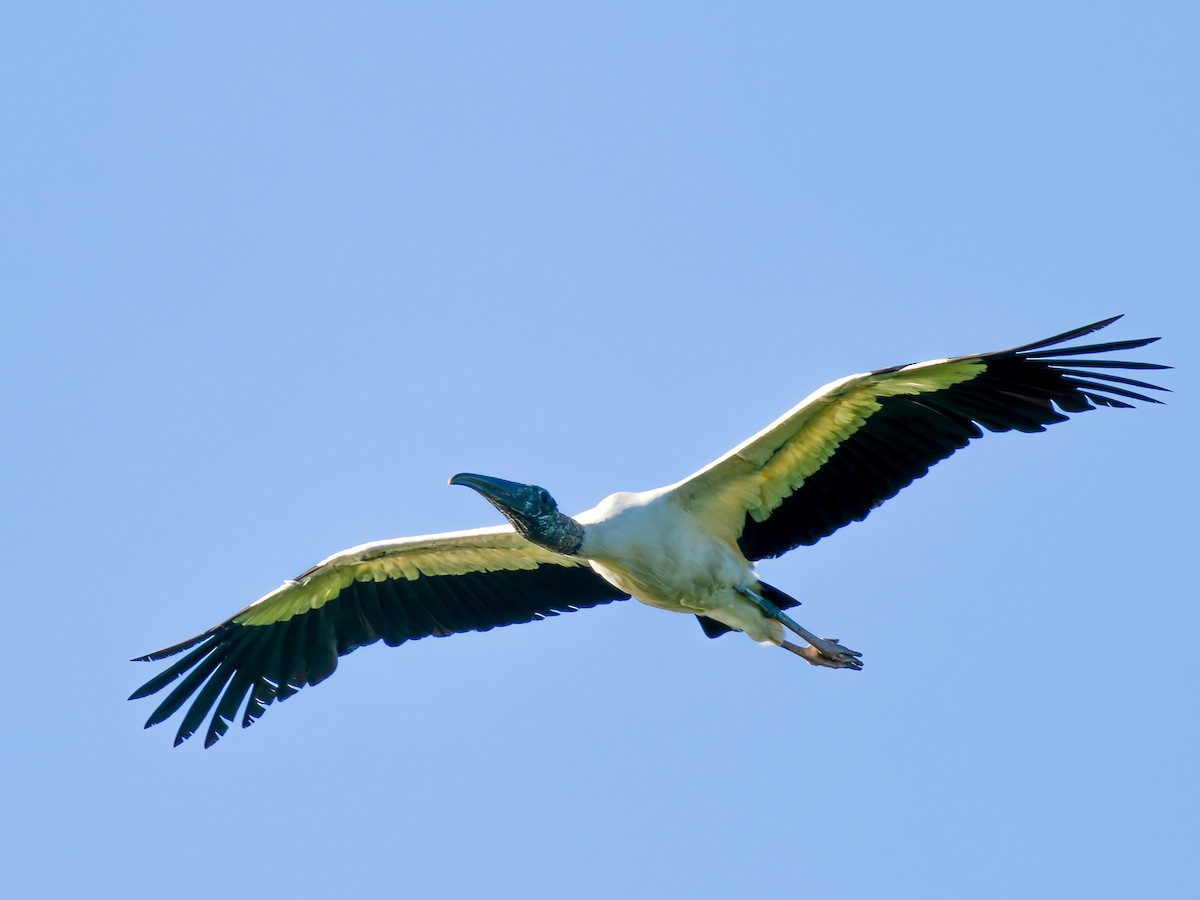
1022,389
259,664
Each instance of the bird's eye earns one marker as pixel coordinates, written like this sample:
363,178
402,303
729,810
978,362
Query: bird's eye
543,497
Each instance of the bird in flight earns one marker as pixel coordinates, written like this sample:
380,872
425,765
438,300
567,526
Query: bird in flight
689,547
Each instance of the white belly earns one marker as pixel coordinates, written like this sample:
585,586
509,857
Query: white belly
651,548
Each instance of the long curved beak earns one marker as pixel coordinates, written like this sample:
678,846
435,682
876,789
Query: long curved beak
503,494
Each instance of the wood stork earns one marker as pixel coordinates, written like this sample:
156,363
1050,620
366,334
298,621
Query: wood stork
688,547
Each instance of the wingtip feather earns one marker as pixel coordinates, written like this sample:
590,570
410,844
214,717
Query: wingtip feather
1067,335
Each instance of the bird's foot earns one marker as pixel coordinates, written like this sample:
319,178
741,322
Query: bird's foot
827,652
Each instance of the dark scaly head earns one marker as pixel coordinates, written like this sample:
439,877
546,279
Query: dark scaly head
530,509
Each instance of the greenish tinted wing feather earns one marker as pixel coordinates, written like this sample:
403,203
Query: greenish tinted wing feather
259,664
1023,389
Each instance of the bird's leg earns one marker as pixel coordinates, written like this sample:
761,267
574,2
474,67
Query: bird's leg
821,652
841,659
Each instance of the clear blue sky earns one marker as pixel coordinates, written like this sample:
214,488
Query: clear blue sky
273,272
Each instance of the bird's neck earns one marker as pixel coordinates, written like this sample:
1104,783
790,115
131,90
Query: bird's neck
554,531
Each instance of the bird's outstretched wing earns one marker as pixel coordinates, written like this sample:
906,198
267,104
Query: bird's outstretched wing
857,441
394,591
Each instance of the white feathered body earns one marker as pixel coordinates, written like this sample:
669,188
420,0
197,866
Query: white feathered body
651,546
